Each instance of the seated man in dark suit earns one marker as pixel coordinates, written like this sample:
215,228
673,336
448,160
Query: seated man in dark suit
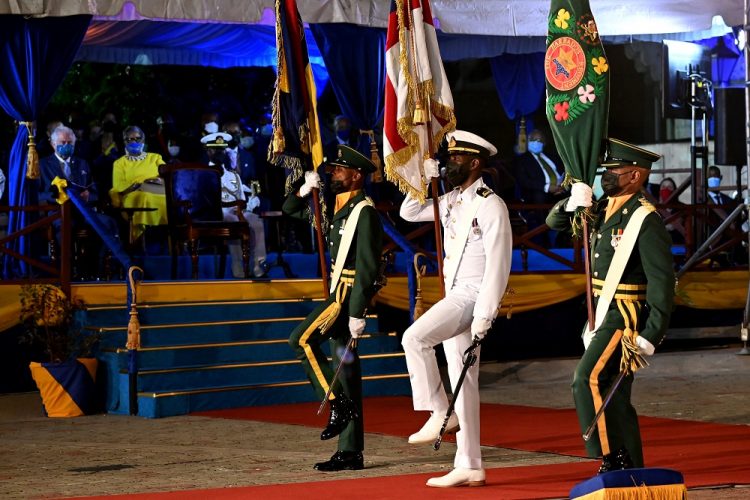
76,172
240,159
539,176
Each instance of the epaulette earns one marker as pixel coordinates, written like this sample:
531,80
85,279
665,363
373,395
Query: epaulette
647,204
484,191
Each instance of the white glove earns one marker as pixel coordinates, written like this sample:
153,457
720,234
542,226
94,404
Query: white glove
253,202
580,196
644,346
431,168
479,327
312,180
356,326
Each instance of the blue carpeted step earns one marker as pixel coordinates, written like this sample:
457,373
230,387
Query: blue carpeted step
161,314
159,405
213,332
216,375
245,351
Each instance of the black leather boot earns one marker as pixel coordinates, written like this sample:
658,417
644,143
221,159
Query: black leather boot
622,459
342,460
343,411
607,464
617,460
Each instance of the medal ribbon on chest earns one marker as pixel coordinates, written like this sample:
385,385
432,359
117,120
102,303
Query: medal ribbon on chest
616,237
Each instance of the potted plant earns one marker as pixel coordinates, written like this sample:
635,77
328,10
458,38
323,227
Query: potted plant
66,371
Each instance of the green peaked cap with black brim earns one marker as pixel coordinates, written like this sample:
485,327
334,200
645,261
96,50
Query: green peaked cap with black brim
620,154
348,157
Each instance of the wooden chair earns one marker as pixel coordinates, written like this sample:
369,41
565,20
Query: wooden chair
194,214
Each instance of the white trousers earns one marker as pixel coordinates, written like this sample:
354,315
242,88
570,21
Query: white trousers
257,245
449,322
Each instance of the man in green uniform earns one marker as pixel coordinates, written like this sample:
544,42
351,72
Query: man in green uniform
355,244
633,282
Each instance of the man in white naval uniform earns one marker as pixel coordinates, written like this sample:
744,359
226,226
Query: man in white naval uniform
478,246
232,189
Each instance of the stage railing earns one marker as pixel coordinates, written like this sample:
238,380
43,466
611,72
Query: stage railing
21,267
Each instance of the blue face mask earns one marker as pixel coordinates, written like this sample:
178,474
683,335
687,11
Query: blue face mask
134,148
536,147
65,150
714,182
344,134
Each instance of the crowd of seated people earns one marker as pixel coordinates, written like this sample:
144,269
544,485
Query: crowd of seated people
114,168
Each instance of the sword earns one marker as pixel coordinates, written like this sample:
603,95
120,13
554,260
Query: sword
348,348
607,398
469,361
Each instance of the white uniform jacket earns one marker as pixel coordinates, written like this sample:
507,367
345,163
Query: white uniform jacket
233,189
486,256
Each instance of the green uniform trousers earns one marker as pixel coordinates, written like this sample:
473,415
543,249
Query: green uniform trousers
307,341
594,375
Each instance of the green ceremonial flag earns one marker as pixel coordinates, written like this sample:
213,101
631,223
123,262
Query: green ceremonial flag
577,76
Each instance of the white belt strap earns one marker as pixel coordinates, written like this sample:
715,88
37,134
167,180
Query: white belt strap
457,249
617,266
346,242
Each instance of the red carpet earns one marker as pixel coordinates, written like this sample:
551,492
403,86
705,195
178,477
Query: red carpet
511,483
705,453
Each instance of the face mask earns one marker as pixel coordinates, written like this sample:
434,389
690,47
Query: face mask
219,157
247,142
664,193
134,148
714,182
174,150
611,183
266,130
457,173
65,150
344,134
536,147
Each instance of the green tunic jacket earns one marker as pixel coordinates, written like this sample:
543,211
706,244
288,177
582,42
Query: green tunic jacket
364,252
650,263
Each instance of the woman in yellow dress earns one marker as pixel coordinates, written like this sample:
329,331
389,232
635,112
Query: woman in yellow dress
136,182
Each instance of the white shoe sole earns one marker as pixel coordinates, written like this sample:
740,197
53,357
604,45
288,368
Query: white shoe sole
467,483
431,440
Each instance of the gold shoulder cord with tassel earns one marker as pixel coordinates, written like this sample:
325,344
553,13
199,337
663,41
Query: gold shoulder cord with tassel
134,325
32,165
420,272
631,361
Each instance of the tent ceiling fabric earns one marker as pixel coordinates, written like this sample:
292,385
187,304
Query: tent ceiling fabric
478,17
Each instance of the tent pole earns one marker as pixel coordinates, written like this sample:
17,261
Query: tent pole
746,53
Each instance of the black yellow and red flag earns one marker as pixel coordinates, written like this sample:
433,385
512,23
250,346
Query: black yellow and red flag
577,77
296,140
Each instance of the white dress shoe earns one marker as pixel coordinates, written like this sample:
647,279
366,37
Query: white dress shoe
430,430
458,477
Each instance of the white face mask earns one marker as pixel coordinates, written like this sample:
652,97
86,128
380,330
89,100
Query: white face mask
174,150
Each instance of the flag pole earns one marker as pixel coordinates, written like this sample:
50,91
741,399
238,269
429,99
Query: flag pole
436,212
587,271
426,114
321,241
